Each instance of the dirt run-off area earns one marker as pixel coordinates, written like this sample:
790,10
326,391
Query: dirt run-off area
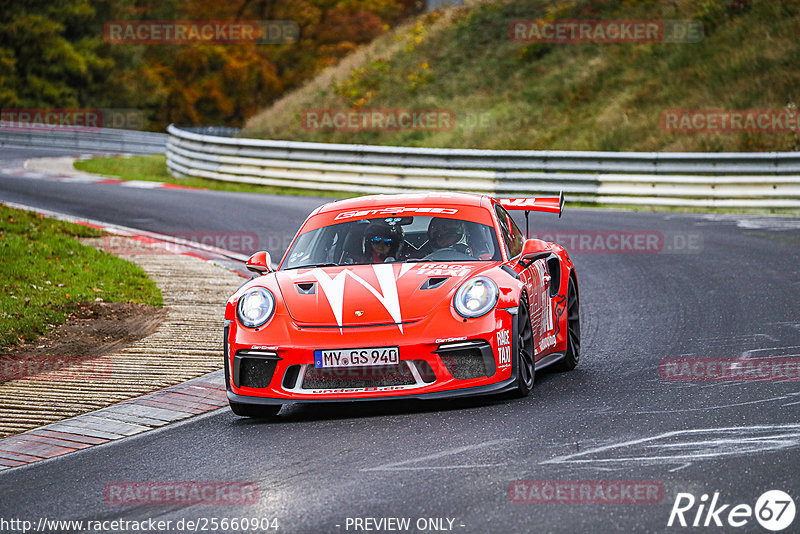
92,330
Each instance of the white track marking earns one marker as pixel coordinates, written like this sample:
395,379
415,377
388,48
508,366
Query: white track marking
691,445
684,466
139,184
402,466
719,407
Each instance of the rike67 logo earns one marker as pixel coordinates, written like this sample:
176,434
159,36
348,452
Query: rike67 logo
774,510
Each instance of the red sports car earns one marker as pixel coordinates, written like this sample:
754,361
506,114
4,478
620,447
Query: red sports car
424,296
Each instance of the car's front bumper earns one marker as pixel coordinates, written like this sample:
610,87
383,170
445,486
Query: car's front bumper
420,343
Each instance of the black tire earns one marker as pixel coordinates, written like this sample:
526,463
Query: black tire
526,371
255,410
573,354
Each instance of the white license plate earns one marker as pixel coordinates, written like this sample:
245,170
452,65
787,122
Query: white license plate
357,357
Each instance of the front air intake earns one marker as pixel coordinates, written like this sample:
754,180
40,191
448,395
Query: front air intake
467,359
433,282
358,377
254,369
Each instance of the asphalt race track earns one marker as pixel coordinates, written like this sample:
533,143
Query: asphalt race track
716,286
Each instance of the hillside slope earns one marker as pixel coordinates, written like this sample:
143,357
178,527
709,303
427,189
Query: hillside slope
564,96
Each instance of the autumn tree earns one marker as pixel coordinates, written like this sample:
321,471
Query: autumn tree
53,54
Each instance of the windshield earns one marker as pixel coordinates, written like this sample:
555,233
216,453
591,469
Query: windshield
394,239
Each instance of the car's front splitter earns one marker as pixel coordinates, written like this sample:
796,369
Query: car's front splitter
489,389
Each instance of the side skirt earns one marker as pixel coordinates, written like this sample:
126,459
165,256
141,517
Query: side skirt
550,359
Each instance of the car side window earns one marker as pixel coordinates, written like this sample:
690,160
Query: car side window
511,233
517,237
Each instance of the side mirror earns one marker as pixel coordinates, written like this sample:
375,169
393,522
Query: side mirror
534,249
259,262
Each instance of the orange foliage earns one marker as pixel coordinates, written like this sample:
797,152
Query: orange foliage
226,83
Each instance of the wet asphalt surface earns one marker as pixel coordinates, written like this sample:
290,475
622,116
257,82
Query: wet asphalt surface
716,286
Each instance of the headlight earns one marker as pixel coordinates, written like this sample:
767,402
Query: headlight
475,297
255,307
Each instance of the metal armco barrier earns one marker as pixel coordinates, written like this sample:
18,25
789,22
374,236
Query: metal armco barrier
748,180
95,140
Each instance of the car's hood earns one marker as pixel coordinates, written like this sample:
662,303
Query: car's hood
360,295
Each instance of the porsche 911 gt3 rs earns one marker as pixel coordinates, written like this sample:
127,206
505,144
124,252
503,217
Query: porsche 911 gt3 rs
423,296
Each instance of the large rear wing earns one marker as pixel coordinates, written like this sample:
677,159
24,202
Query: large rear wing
546,204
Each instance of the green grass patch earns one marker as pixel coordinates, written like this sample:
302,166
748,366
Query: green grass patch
45,272
153,168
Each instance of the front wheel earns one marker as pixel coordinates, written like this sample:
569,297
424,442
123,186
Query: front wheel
255,410
525,365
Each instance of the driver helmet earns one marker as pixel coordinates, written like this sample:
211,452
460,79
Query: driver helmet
382,233
451,229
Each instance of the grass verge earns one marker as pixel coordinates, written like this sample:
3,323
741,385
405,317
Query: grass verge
566,96
153,168
45,272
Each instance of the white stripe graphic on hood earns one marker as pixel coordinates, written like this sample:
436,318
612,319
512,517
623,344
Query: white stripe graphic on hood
334,291
388,297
